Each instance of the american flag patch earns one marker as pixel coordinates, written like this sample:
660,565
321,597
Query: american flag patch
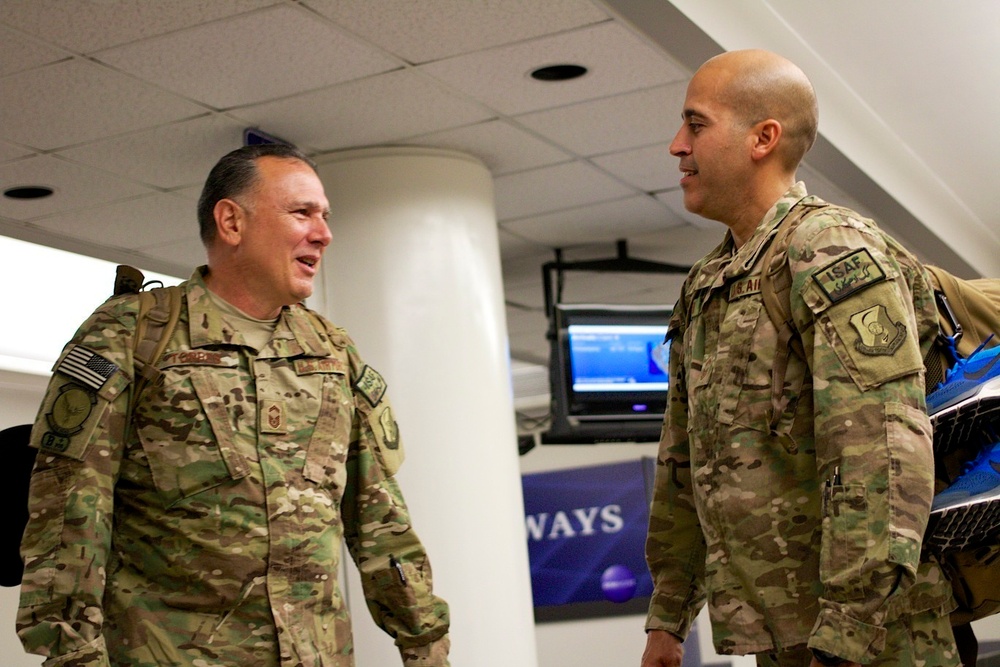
88,367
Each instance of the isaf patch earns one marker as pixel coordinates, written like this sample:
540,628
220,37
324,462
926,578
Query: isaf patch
86,367
878,334
848,274
371,385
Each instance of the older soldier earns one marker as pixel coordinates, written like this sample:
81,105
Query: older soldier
800,520
205,527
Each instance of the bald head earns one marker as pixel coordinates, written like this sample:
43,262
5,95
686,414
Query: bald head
758,85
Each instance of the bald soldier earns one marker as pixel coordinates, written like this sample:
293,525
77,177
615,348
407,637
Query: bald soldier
798,519
203,528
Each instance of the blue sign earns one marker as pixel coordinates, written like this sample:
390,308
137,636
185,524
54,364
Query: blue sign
586,530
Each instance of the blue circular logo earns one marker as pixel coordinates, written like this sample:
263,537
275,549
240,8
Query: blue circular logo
618,583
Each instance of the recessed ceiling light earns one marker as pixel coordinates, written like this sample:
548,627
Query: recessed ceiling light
558,72
28,192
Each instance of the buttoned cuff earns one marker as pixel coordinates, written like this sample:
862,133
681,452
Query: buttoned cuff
847,637
679,625
434,654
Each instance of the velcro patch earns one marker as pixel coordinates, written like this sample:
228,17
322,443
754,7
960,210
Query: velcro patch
71,409
848,274
371,385
86,367
272,416
877,333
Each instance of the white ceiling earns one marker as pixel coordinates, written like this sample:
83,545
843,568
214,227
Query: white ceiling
122,106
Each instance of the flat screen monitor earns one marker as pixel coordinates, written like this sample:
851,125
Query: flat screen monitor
609,369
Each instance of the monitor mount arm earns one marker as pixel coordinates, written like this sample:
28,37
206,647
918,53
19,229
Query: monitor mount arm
620,264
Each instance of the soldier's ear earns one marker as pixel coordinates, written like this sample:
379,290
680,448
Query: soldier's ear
230,221
765,138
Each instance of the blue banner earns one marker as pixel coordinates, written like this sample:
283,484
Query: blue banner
586,531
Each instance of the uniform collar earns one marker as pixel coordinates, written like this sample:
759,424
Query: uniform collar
295,333
748,254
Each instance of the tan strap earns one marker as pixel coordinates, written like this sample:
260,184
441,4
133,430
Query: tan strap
159,311
775,291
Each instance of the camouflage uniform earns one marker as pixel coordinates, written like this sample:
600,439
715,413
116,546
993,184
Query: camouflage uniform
207,530
807,533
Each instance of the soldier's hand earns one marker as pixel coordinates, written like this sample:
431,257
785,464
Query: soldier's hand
662,650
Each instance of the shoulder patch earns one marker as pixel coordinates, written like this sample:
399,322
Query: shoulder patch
848,274
371,385
878,334
86,367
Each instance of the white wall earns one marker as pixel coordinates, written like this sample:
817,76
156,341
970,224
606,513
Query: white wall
20,396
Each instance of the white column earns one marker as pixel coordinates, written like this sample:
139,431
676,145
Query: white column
413,274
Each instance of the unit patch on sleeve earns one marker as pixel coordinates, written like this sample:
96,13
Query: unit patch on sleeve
69,413
848,274
86,367
371,385
879,335
389,428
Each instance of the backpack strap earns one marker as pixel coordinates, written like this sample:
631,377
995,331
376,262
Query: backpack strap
775,291
159,311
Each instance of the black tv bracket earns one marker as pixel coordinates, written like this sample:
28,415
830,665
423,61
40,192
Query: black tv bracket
553,279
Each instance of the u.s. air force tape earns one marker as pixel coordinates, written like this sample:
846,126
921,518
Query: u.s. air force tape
86,367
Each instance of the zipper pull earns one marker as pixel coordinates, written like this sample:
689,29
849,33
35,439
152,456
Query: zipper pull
398,567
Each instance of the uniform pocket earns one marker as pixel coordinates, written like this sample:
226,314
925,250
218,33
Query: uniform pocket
869,332
743,374
43,536
845,539
187,436
326,455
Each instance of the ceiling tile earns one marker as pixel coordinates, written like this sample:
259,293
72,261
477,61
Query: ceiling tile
74,102
134,223
683,245
291,50
501,146
380,109
552,188
639,119
11,152
169,156
649,168
514,246
423,30
88,26
605,222
184,254
617,61
75,187
19,53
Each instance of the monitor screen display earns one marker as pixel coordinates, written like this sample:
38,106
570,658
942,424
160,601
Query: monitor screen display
611,362
618,357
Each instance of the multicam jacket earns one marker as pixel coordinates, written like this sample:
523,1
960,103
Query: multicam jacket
207,529
808,532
